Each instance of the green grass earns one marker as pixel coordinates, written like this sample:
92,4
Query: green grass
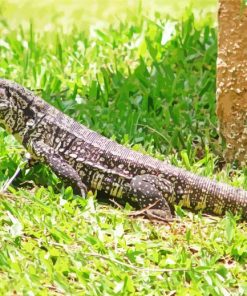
119,78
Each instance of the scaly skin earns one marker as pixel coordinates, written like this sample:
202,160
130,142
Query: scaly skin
90,161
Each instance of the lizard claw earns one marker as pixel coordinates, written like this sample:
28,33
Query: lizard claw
160,215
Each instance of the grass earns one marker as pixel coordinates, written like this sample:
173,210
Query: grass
129,81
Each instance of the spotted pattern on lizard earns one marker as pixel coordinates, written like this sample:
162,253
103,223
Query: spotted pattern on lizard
88,161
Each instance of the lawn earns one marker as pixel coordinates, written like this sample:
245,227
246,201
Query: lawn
142,73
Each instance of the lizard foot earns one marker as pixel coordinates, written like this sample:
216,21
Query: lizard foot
151,193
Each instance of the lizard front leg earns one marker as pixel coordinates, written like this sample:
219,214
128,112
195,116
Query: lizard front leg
152,192
63,169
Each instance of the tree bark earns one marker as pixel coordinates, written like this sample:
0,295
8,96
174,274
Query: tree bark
232,78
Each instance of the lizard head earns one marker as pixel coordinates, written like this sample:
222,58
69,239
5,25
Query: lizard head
4,103
14,106
20,109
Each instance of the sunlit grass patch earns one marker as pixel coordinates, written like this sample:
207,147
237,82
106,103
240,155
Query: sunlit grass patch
147,81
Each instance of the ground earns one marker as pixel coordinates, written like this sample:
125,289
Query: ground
146,79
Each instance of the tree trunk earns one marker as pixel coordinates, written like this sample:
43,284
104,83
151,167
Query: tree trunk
232,78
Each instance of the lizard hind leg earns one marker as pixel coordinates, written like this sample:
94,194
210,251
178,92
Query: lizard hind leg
151,193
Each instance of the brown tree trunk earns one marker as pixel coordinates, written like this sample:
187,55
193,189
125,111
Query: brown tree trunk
232,78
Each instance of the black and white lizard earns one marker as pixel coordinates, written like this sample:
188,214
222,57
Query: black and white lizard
90,161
